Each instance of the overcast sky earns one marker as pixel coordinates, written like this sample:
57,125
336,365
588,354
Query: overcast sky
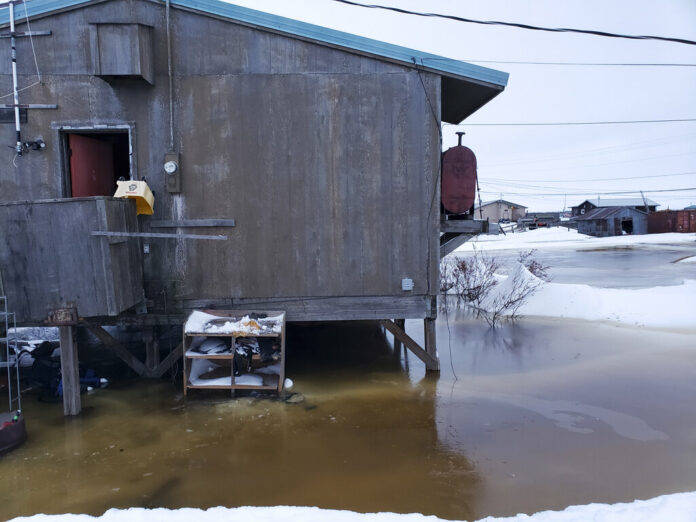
524,164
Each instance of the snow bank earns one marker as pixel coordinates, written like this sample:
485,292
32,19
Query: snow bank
691,259
679,507
656,307
562,238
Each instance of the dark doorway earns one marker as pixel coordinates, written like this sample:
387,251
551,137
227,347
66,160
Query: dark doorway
96,161
627,226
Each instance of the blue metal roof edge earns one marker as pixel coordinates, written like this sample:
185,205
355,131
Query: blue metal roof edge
37,7
346,40
318,33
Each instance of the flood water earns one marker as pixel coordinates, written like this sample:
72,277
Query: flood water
541,415
637,266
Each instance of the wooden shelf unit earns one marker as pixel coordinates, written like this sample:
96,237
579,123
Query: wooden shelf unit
271,382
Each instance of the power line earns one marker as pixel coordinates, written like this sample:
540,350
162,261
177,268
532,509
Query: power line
564,123
582,166
522,26
583,153
598,179
686,189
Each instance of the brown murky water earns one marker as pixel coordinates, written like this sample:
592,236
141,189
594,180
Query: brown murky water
544,414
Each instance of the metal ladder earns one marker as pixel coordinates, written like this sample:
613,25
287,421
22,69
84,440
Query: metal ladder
9,356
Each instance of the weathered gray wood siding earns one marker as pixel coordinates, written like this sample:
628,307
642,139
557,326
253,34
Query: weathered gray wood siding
327,160
50,260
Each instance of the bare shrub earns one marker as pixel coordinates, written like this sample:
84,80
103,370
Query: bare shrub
535,267
470,279
473,279
513,293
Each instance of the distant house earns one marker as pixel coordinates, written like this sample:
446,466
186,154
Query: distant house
500,210
636,203
535,220
613,221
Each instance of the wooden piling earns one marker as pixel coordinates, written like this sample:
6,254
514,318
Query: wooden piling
152,349
69,367
433,363
401,323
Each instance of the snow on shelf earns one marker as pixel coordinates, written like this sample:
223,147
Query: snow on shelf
208,324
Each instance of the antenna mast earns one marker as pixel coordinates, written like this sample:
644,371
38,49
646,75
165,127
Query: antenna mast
15,92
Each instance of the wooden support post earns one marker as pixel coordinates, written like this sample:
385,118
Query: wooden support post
401,323
122,352
152,352
168,362
430,361
70,371
433,364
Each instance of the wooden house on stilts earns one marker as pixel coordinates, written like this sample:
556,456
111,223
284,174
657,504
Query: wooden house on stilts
294,168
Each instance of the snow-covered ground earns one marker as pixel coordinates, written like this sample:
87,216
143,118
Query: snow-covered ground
679,507
562,238
655,307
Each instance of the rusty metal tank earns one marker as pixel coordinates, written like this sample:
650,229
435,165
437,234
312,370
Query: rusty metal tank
458,179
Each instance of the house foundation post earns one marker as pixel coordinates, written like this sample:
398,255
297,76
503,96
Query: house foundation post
70,371
433,363
152,350
401,323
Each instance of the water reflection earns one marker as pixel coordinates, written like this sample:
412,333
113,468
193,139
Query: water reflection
624,267
543,414
364,438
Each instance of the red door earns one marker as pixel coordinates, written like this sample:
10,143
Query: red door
91,167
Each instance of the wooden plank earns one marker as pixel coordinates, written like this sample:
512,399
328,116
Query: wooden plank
116,347
28,106
450,241
26,33
168,361
163,223
428,359
327,308
430,345
464,226
158,235
70,373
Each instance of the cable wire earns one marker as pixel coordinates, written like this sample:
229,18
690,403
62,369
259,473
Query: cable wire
594,179
539,124
591,32
31,39
685,189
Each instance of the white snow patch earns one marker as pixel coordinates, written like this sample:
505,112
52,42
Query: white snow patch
678,507
656,307
691,259
562,238
203,323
